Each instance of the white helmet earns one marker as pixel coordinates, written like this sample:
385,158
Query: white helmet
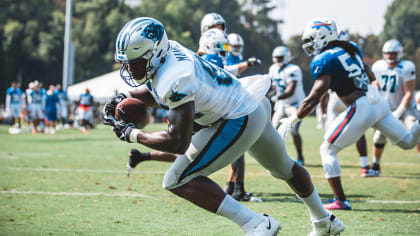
141,39
343,35
318,33
236,40
392,45
281,51
210,20
215,41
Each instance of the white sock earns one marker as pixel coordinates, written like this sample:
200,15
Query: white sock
376,160
235,211
364,162
314,205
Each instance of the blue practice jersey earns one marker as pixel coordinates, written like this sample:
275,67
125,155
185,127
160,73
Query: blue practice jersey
233,60
63,98
37,97
16,95
86,99
51,100
347,73
214,59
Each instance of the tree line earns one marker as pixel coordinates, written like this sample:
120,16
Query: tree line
32,34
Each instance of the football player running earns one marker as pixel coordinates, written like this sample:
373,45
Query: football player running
287,82
338,65
397,80
334,107
196,90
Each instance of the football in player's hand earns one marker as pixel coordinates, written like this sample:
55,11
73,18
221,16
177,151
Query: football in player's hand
133,110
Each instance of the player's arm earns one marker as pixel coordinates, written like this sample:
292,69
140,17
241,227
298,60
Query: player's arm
289,91
370,74
143,94
178,136
324,103
409,87
320,87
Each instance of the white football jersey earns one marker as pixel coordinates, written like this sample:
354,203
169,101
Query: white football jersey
186,77
280,79
391,80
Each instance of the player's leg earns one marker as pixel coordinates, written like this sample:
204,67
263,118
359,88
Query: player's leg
344,131
393,129
361,147
379,142
238,177
271,153
210,150
297,141
409,119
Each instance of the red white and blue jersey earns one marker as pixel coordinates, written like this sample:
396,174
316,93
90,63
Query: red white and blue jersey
347,73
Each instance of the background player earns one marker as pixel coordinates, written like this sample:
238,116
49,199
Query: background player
85,111
338,65
37,109
397,80
237,122
51,103
235,184
14,107
288,84
64,105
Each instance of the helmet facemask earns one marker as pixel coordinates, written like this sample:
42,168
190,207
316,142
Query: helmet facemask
317,34
141,48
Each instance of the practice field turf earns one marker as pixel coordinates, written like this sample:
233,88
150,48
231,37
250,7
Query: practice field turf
75,184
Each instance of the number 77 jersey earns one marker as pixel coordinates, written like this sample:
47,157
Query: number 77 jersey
391,80
347,73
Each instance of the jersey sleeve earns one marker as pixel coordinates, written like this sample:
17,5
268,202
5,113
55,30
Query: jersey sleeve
294,75
180,92
319,66
409,71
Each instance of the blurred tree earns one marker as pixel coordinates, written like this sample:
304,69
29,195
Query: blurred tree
402,22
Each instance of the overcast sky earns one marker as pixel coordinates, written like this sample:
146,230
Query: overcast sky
355,16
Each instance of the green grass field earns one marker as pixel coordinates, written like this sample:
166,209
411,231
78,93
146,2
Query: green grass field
74,184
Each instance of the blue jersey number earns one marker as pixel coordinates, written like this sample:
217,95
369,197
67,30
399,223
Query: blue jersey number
392,81
216,73
355,71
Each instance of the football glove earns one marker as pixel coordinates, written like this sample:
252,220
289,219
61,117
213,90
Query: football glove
286,125
134,158
108,112
125,131
252,61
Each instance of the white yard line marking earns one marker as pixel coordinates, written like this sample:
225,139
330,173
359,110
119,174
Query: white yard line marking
139,172
76,194
133,195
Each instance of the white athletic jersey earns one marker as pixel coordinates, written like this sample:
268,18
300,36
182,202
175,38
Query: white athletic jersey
186,77
280,79
391,80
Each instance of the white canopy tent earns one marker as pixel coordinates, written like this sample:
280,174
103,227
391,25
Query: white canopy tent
102,87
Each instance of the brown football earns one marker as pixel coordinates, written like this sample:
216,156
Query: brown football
135,110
